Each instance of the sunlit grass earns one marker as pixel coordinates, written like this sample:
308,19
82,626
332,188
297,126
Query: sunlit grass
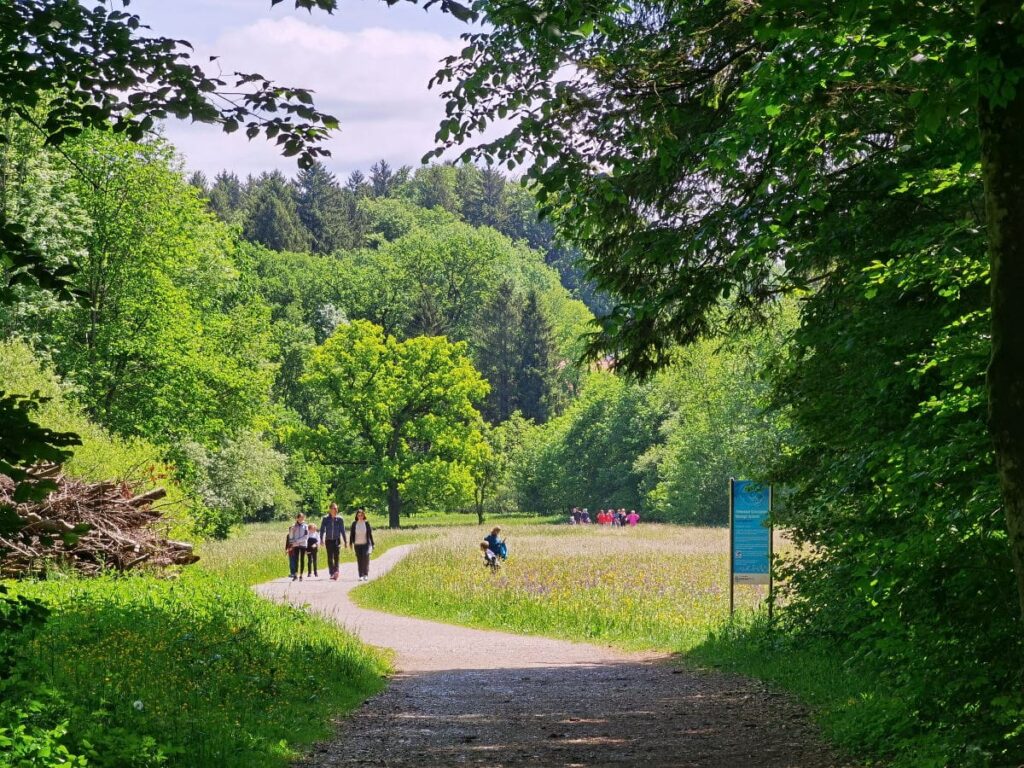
654,586
255,553
214,674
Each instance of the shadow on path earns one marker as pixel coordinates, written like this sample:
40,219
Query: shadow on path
611,714
474,697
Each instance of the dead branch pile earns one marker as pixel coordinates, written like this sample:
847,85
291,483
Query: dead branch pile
90,527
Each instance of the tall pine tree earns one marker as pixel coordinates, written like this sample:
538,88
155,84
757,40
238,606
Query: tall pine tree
323,209
382,178
536,359
272,217
226,196
498,349
358,185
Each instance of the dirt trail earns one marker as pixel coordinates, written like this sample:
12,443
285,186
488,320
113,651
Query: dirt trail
474,697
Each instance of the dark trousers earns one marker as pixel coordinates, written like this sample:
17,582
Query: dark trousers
311,553
296,560
333,553
363,558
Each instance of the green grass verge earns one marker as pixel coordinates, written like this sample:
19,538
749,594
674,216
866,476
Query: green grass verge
210,673
195,671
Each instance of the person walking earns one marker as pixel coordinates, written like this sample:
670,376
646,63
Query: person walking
295,546
332,533
312,548
361,537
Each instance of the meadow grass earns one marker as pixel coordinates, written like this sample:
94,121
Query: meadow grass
655,587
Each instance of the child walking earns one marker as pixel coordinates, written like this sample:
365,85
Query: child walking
312,546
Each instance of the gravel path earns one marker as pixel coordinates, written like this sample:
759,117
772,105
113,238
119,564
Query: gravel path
480,698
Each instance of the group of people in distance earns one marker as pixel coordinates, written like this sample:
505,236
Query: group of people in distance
618,518
304,540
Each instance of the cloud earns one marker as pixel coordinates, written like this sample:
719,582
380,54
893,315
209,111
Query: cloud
374,80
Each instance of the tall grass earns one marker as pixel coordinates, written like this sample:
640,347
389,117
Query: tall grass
212,673
648,587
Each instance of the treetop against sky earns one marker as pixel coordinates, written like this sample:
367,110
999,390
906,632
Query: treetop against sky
368,64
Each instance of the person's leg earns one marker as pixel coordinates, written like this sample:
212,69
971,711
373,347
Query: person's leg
293,562
332,557
302,561
312,562
362,559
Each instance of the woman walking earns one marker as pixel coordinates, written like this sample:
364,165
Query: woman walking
295,546
361,537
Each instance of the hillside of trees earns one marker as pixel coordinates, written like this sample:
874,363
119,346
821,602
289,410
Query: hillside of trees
203,306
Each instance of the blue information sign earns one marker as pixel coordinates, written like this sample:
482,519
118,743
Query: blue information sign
751,536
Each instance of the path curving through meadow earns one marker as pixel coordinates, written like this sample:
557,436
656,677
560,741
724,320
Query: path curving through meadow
481,698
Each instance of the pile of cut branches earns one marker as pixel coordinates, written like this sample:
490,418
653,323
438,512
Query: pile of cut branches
90,527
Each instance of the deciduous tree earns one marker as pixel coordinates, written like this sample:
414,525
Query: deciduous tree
395,413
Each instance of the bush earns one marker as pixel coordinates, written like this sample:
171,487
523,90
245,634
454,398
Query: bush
241,481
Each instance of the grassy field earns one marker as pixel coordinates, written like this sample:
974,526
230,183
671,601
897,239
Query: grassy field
652,586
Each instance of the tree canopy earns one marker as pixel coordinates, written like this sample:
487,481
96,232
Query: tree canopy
398,418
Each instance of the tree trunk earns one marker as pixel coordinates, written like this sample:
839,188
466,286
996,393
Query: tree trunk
1001,121
394,505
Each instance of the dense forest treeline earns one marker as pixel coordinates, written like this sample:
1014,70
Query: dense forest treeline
202,308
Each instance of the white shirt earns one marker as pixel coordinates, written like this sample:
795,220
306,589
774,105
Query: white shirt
298,534
360,532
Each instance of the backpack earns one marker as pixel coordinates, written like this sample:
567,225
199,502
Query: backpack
502,550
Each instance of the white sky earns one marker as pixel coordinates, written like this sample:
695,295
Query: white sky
368,63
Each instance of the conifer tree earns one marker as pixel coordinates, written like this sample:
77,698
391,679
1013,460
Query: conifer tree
382,178
198,180
322,208
536,360
226,196
498,351
272,217
358,185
